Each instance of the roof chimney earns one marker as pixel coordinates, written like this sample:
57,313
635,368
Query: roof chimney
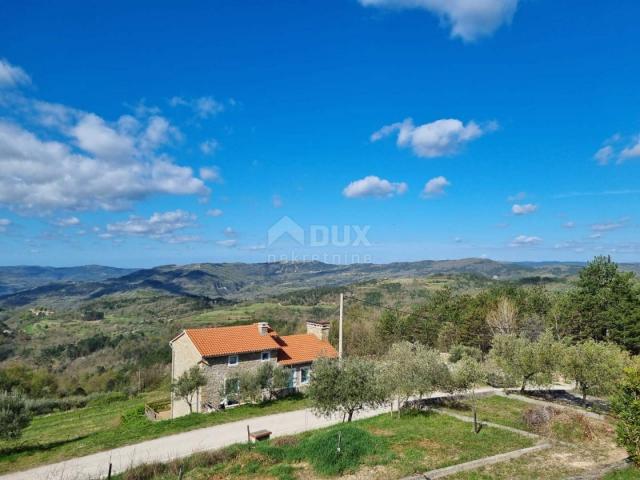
263,328
319,329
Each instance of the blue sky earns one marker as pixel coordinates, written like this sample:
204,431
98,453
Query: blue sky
181,132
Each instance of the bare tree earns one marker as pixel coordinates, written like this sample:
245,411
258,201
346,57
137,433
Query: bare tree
503,320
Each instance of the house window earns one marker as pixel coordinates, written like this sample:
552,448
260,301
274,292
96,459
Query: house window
266,356
292,378
233,360
304,375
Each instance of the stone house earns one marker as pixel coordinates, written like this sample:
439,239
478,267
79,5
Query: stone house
223,352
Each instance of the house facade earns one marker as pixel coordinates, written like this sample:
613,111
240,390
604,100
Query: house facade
223,352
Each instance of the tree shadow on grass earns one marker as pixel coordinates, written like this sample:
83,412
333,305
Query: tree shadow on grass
37,447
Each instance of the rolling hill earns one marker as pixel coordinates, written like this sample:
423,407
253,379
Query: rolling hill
238,281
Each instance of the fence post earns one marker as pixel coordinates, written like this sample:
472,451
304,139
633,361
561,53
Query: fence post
109,474
248,434
181,473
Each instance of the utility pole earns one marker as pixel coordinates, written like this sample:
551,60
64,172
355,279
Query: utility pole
340,327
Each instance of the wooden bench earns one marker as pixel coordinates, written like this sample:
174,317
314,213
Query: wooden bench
258,435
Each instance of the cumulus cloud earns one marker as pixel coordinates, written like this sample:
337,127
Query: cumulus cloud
435,187
229,232
618,148
524,209
373,186
209,147
467,19
569,224
4,224
11,75
435,139
211,174
525,240
94,164
67,222
215,212
160,226
632,151
203,107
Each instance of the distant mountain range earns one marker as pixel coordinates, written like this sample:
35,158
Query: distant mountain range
21,286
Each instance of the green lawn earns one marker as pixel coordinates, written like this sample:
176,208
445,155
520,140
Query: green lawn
496,409
59,436
630,473
414,443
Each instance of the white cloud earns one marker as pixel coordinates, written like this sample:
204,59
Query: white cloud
229,232
608,226
435,139
518,197
468,19
618,147
525,240
215,212
276,201
604,155
12,76
631,151
67,222
524,209
160,226
373,186
227,243
435,187
209,147
211,174
100,166
4,224
203,107
569,224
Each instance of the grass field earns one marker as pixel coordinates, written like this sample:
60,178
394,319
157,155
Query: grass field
588,444
382,446
630,473
59,436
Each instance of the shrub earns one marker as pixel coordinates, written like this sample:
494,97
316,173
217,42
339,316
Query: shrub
626,405
340,449
457,352
14,416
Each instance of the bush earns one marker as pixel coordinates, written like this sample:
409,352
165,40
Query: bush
457,352
497,377
14,416
626,405
339,449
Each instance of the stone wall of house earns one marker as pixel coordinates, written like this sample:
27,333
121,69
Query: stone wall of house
184,355
218,370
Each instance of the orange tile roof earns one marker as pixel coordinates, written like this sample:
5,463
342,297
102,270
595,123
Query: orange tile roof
303,349
218,341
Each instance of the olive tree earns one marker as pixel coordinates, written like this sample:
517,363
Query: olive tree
14,416
411,369
468,374
188,384
595,367
527,360
344,386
